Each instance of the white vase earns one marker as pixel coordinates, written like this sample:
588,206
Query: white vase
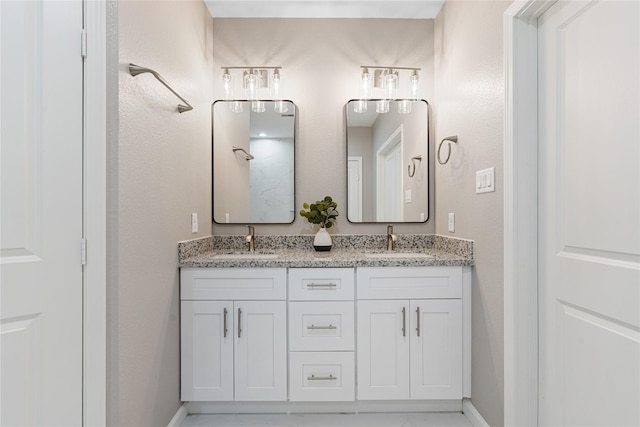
322,241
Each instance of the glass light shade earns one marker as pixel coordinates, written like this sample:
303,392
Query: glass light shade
236,107
276,85
360,106
252,83
390,83
258,107
227,85
382,106
414,85
280,107
404,106
365,85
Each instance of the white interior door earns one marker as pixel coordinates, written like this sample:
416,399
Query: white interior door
589,214
41,141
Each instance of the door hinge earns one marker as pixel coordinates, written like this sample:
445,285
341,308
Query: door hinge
83,252
83,43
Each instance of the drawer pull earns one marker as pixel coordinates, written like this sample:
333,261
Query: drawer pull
329,378
321,285
225,322
404,322
322,327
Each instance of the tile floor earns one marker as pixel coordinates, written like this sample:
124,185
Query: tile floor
435,419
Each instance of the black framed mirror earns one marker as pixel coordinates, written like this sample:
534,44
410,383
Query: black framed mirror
387,161
253,162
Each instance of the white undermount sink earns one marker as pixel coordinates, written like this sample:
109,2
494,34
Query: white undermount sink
379,255
246,255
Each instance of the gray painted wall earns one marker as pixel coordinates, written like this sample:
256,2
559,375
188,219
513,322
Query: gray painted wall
159,175
469,103
321,61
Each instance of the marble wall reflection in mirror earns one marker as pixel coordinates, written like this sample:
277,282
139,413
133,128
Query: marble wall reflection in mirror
387,162
253,162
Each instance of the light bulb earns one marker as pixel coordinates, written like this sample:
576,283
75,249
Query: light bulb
414,85
227,84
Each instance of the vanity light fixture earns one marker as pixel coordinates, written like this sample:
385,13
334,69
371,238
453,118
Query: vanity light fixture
387,79
256,80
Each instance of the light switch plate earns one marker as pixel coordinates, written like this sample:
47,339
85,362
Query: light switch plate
194,222
452,222
485,181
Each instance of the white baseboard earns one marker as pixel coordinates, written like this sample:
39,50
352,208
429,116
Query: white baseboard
472,414
179,417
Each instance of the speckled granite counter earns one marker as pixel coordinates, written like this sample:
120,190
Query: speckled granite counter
347,251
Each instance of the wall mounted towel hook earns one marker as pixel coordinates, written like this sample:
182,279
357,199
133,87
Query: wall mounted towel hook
134,70
453,139
247,156
412,167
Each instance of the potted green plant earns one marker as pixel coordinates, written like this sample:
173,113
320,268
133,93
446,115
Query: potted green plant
322,212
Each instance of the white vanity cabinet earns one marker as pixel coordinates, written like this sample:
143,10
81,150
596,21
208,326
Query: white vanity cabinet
409,327
233,334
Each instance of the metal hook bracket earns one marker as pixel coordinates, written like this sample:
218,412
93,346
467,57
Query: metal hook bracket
247,156
453,139
412,167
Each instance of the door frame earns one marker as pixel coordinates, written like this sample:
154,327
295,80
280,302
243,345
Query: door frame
521,212
95,215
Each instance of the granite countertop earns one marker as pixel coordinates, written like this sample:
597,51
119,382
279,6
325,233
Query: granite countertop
348,251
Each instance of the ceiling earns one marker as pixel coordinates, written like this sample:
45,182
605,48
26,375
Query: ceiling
398,9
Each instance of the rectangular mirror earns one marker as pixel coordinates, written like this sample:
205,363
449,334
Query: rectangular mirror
387,161
253,162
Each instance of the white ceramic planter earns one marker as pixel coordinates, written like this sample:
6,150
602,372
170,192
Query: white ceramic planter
322,241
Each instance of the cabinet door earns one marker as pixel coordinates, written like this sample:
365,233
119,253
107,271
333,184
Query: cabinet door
383,350
436,349
260,350
206,350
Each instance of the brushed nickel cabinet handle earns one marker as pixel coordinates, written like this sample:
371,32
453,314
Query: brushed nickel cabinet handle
224,314
321,285
322,327
329,378
239,321
418,320
404,322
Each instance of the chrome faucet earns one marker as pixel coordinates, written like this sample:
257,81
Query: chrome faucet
391,238
250,238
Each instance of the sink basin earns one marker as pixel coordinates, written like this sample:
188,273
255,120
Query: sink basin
388,255
246,255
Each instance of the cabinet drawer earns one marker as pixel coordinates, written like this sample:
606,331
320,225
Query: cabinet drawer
312,284
409,282
233,283
321,376
321,326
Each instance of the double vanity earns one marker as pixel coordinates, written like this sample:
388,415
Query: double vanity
286,329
